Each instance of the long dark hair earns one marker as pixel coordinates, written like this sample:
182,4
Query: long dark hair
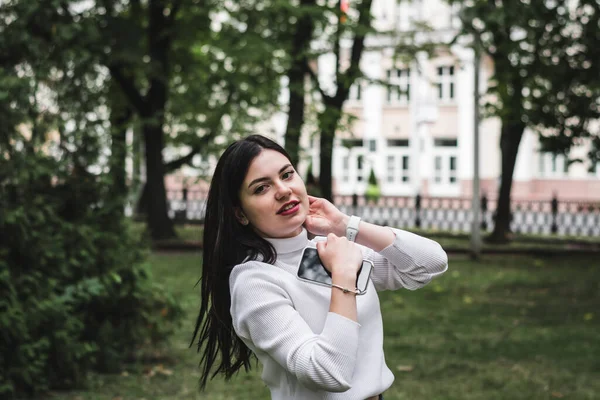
226,244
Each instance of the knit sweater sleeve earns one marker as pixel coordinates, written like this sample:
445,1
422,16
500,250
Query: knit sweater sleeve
410,262
264,314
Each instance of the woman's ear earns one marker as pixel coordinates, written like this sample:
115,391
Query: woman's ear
239,215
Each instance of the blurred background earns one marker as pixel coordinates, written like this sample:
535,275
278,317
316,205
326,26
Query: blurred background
475,123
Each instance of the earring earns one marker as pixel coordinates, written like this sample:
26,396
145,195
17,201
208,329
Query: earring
244,221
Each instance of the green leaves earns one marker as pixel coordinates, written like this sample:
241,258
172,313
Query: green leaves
70,269
546,61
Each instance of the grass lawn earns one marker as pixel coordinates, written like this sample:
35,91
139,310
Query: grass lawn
507,327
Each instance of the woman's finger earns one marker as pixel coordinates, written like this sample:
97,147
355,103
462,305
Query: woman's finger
321,246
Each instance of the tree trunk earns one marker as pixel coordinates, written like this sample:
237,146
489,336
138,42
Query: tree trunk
159,45
325,157
328,123
296,74
120,116
295,113
329,119
142,202
159,224
510,139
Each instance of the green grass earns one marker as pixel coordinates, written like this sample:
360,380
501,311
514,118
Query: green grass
507,327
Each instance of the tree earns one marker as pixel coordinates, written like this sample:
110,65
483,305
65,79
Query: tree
74,292
342,25
373,192
182,78
299,59
329,118
546,65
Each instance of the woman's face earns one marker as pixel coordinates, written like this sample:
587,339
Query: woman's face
273,196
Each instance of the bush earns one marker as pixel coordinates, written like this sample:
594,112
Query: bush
75,295
373,193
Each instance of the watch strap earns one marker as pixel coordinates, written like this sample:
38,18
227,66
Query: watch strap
352,228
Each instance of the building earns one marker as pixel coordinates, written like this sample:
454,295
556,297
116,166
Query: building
419,139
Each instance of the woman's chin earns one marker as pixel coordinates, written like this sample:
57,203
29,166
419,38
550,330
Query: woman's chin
294,231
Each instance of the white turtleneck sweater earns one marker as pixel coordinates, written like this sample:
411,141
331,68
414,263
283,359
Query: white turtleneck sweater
308,352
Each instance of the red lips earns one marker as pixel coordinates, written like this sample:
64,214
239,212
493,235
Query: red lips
292,203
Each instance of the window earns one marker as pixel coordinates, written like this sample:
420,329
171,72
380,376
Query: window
405,169
397,142
399,92
452,169
595,169
445,83
352,143
391,169
437,174
359,168
345,169
445,142
372,145
445,169
552,165
398,168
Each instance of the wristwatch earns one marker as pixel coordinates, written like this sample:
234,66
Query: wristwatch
352,228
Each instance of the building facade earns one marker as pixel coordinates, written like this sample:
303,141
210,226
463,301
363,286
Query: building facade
417,135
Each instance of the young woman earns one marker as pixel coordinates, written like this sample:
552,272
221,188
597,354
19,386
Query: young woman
314,342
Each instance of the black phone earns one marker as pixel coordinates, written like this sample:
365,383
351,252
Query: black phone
311,269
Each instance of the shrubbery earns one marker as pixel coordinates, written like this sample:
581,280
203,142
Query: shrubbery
373,192
74,293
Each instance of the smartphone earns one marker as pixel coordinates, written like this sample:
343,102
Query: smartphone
311,269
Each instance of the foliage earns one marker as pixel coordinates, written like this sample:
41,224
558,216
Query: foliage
335,32
373,192
74,292
183,72
345,35
546,62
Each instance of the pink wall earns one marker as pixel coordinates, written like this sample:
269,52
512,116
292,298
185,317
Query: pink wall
541,189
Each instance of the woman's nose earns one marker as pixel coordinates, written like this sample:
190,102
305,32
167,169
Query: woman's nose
283,190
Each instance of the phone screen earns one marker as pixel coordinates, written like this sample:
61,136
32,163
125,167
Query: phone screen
311,269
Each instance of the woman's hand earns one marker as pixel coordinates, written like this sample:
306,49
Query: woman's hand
324,218
341,257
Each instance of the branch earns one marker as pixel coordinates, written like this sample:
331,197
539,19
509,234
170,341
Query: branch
336,44
129,89
187,159
316,83
364,20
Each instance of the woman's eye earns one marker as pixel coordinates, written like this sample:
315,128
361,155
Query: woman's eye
260,189
287,175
